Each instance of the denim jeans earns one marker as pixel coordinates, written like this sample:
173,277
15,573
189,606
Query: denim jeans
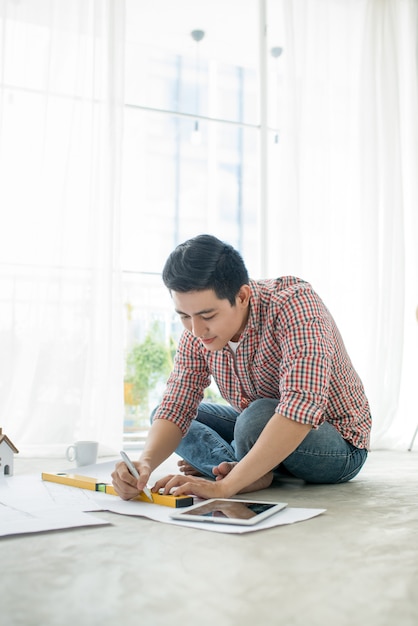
219,433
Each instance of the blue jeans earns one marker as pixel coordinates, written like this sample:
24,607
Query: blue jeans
219,433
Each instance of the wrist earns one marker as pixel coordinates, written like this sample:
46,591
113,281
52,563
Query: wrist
145,462
226,487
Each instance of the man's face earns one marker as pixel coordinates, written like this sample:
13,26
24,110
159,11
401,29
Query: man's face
213,321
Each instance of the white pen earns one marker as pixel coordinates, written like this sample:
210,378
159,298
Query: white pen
131,467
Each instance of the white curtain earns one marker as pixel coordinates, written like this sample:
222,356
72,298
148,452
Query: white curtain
343,184
343,197
61,111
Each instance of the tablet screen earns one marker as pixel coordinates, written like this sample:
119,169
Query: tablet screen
229,511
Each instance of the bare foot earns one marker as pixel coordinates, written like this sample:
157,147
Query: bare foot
187,469
261,483
223,469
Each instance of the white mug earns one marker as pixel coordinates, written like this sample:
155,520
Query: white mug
83,452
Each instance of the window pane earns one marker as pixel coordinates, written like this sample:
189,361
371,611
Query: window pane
167,69
190,163
174,189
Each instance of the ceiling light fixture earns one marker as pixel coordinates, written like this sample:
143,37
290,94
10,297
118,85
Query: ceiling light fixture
197,36
275,53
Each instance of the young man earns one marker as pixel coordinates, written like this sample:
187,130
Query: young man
295,402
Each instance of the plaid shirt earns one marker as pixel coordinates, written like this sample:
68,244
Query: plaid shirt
291,350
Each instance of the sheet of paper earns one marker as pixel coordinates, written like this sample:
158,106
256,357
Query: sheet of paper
32,494
290,515
102,471
30,505
29,502
16,521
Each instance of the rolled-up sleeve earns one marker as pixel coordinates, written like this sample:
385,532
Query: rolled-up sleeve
186,384
305,331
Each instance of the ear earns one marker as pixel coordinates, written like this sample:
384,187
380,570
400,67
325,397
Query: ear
243,296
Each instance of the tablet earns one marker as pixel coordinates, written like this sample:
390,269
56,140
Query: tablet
229,511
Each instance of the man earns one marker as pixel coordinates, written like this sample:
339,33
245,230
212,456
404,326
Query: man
295,402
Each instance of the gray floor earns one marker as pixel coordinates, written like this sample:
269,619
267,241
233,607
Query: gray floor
355,564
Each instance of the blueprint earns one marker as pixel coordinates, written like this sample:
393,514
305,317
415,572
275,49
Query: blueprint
29,504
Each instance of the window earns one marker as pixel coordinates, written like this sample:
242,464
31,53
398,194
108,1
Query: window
191,153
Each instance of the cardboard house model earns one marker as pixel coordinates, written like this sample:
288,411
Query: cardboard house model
7,452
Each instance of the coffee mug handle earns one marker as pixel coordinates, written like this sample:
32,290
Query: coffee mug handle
71,453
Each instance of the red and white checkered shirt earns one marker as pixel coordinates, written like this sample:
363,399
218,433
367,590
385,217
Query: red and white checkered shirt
291,350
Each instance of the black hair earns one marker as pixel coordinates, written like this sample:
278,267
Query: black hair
205,262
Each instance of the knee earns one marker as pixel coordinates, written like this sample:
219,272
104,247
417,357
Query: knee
251,422
257,414
248,414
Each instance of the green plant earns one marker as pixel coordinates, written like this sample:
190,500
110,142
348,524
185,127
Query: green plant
147,364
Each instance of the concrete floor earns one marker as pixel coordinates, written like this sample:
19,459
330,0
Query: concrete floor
355,564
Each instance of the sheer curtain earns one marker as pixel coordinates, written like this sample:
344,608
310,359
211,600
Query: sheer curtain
343,192
343,184
61,111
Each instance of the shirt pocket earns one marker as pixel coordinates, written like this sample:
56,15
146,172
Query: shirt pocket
265,373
